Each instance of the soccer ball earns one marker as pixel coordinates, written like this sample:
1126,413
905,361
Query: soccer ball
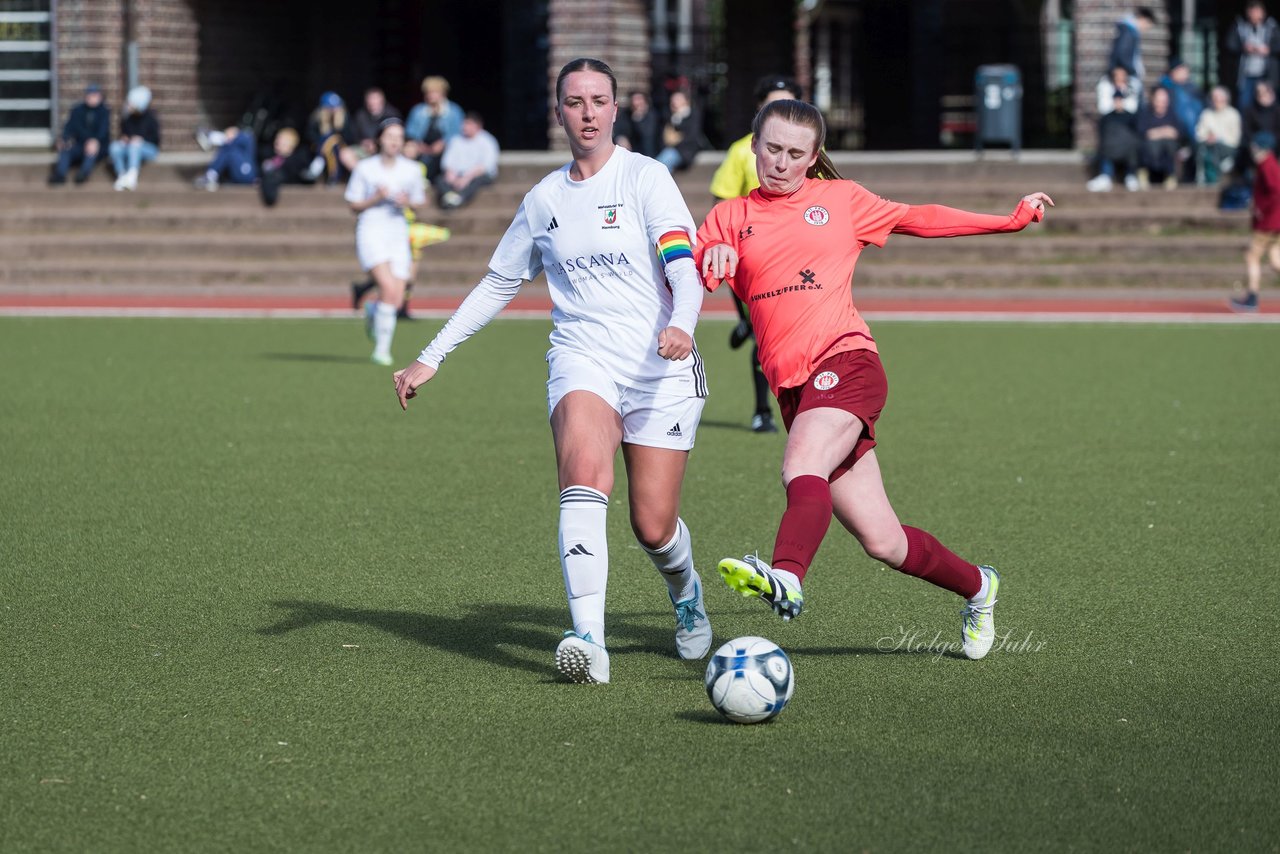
750,680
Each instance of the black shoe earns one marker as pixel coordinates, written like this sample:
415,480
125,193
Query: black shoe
740,334
358,290
1248,303
55,180
81,177
762,422
403,312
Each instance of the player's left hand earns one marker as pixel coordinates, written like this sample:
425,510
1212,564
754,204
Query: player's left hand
409,380
674,344
1039,201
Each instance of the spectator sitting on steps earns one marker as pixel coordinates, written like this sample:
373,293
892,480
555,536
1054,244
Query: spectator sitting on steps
1116,80
325,130
432,125
362,131
1118,145
1218,133
84,137
682,134
235,153
1161,141
139,140
289,163
470,163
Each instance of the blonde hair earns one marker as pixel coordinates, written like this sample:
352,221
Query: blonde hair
435,81
805,115
330,119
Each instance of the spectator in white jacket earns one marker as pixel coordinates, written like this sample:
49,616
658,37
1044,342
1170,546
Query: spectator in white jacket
1117,80
470,162
1217,137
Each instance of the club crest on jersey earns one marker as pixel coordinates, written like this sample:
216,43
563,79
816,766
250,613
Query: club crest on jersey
816,215
611,216
826,381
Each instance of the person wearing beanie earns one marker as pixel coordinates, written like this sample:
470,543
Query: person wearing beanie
84,137
139,140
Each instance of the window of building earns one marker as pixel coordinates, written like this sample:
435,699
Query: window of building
26,72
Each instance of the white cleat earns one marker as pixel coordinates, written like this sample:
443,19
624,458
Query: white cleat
978,629
582,660
693,627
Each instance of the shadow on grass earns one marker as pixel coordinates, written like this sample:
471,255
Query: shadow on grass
704,716
316,357
485,632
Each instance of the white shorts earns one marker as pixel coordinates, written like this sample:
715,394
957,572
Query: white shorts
378,244
652,419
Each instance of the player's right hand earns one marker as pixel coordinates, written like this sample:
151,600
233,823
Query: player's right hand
409,380
720,262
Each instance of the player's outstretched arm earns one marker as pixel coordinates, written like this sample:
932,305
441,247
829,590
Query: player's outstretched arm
941,221
409,379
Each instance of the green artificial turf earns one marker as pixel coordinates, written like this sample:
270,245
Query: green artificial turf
246,604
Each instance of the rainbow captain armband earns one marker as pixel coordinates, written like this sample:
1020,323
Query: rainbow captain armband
673,246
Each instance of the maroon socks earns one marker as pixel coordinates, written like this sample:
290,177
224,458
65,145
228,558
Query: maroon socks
935,563
803,525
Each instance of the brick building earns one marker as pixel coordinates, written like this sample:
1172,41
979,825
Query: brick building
889,74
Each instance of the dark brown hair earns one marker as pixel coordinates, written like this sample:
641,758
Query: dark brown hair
805,115
586,64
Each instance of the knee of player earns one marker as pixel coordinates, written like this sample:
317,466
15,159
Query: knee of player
653,530
885,546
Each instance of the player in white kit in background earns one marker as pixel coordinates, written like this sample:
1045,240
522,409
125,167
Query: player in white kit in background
613,235
381,187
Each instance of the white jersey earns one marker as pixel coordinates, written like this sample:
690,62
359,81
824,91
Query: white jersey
402,176
597,240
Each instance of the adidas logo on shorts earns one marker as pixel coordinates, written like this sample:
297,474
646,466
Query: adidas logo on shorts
675,431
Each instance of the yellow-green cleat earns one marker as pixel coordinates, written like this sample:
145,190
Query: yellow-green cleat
751,576
978,628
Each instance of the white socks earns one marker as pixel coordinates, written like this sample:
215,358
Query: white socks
384,328
984,589
675,562
584,557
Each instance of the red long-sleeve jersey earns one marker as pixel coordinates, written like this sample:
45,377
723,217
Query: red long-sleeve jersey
796,255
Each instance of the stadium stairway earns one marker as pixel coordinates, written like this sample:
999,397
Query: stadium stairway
170,237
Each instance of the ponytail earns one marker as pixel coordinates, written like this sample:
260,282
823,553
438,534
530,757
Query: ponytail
824,169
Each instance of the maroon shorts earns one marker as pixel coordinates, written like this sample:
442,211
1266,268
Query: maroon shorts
853,381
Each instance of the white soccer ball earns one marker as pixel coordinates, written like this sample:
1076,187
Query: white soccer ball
750,680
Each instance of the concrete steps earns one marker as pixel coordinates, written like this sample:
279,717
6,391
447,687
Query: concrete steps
168,235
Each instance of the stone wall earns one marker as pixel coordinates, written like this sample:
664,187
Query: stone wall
616,32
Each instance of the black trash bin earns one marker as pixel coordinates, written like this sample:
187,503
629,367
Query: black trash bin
998,102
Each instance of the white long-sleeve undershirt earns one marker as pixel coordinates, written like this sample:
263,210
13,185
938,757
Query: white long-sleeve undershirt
494,292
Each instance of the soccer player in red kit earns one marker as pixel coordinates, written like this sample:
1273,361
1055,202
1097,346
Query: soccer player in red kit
788,250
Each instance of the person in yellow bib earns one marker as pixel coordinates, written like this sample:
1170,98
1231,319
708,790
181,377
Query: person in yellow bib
736,177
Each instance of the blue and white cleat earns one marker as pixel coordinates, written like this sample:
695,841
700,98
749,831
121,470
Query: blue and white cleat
753,577
693,627
368,318
978,630
582,660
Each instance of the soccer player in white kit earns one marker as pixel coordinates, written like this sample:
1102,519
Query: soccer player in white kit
614,237
381,187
